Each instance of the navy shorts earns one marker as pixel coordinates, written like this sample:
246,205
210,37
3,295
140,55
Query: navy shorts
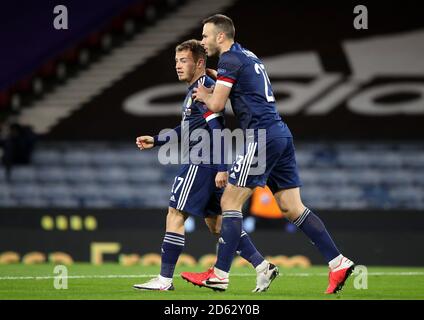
279,170
194,191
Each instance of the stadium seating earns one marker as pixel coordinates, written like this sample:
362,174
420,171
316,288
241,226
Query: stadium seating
98,175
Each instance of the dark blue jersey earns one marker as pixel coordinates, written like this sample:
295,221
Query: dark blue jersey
251,94
195,115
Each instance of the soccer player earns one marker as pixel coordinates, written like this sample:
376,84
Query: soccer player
241,76
197,188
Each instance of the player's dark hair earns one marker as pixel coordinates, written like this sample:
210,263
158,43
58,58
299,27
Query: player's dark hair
223,23
195,47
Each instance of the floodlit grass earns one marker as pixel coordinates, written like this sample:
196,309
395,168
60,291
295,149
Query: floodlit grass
113,281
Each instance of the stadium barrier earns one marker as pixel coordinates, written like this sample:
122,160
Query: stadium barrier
131,237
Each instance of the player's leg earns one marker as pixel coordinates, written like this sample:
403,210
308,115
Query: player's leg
284,181
186,199
217,277
238,190
294,210
313,227
232,223
172,246
214,223
231,226
173,241
246,249
265,271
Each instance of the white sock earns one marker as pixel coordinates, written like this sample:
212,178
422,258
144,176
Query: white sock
165,280
262,266
335,262
220,273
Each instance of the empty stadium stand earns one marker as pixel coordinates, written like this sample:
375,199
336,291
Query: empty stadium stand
95,175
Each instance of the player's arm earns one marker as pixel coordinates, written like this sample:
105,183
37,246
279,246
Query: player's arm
161,139
229,66
214,101
214,121
148,142
144,142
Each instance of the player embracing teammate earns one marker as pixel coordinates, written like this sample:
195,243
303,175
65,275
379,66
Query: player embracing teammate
198,187
242,78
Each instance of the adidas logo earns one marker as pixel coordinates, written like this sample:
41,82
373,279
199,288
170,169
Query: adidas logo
233,175
172,198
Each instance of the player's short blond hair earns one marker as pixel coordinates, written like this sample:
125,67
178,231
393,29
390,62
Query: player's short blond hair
195,47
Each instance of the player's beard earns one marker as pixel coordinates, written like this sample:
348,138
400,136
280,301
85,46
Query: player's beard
213,50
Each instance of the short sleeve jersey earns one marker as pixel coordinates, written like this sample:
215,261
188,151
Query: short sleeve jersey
251,96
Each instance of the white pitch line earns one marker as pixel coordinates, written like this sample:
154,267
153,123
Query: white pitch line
113,276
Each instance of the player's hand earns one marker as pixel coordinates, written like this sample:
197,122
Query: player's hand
201,92
221,179
144,142
212,73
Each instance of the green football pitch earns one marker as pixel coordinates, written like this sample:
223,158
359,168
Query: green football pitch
113,281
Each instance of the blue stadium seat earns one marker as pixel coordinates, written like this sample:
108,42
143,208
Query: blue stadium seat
332,176
121,195
136,158
145,175
313,193
87,191
105,158
5,193
47,157
2,174
397,177
157,203
304,158
65,202
112,175
325,158
406,194
23,174
309,176
413,159
121,191
387,159
348,193
26,190
357,204
81,174
353,158
56,191
76,158
418,178
364,176
97,203
9,203
51,174
34,202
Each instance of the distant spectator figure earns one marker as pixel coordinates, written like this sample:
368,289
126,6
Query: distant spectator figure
17,142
